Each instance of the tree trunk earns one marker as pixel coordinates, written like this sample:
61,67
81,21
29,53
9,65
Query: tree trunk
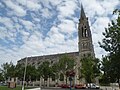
119,83
40,82
66,79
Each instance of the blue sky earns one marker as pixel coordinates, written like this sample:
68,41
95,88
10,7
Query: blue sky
42,27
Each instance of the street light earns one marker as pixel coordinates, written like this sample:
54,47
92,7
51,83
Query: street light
24,74
26,60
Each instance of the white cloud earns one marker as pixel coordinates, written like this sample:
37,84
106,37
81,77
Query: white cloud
27,24
109,5
18,10
97,28
54,36
38,41
46,13
66,9
32,5
8,30
64,26
55,2
6,21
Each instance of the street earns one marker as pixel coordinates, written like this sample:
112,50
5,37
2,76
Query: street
65,89
69,89
54,88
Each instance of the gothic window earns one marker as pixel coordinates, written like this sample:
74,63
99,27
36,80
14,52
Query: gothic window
84,55
83,32
83,45
53,77
89,55
61,77
86,32
87,45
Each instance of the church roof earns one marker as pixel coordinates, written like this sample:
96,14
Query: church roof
50,57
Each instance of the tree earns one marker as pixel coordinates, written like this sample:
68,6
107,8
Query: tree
55,71
19,71
111,44
31,73
90,68
105,68
66,63
45,69
8,70
1,77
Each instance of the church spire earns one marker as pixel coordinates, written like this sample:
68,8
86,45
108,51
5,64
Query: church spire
82,13
86,48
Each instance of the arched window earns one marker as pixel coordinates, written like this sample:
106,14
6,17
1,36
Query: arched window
83,45
84,55
89,54
86,32
53,77
61,77
83,32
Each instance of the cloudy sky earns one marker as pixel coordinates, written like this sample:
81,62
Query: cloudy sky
42,27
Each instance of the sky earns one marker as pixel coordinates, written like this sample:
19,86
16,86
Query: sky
42,27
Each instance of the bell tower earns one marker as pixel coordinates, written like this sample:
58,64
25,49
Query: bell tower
84,44
85,38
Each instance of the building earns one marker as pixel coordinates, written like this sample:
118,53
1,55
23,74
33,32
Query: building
85,47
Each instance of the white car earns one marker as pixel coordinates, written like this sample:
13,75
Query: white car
93,85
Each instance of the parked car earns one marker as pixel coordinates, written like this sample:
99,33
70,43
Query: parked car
93,86
65,86
3,84
80,86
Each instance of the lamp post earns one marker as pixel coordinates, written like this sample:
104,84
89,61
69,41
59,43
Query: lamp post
24,74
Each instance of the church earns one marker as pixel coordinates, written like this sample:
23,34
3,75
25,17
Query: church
84,44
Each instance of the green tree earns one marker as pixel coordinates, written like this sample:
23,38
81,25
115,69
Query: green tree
55,71
1,77
90,68
111,44
105,68
46,70
31,73
66,63
20,71
8,70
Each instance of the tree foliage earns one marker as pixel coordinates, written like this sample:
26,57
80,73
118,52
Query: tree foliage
46,69
90,68
1,77
111,44
8,70
66,63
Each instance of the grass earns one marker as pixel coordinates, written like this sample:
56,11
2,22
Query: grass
17,88
6,88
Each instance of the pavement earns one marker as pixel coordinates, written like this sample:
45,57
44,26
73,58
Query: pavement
101,88
109,88
34,89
